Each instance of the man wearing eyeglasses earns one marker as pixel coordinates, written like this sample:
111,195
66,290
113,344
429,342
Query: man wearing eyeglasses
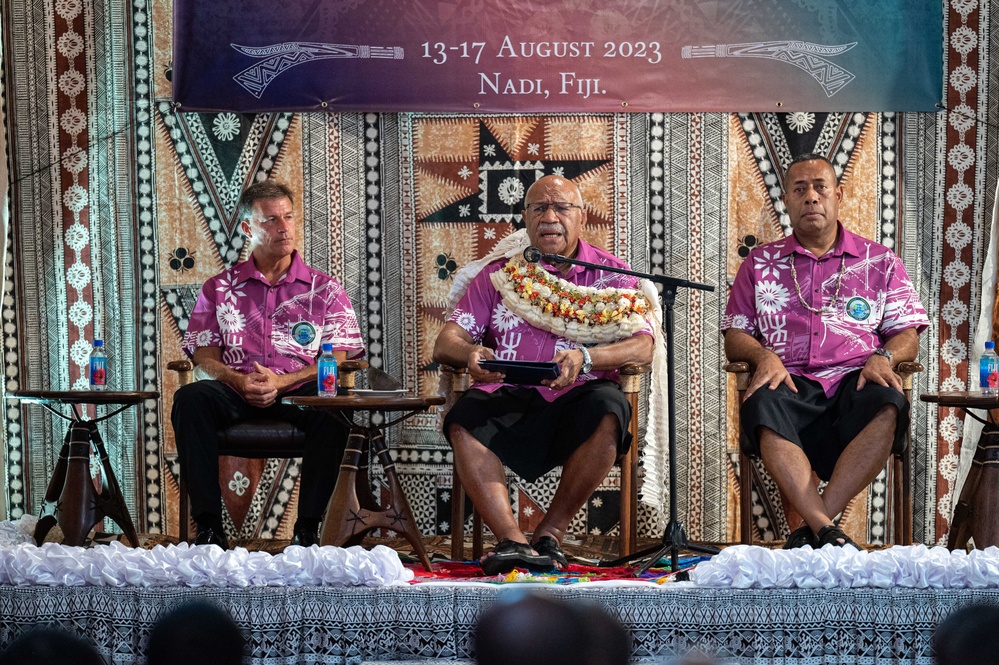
512,310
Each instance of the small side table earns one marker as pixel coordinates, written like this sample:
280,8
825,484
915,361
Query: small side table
977,511
71,498
353,510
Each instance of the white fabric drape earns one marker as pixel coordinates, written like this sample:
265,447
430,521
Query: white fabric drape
983,333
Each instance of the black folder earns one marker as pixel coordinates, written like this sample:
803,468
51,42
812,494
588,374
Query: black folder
522,371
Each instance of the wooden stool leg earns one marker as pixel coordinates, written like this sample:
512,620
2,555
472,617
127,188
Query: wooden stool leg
984,527
111,501
47,516
343,515
627,538
400,515
476,534
348,518
77,512
746,527
457,517
183,511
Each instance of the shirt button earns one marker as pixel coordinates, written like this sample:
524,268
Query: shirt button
816,334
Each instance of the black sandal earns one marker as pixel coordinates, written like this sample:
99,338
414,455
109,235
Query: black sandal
509,554
832,535
549,547
799,538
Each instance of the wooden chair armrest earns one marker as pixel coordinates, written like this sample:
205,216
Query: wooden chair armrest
184,369
460,379
742,375
348,372
631,376
906,370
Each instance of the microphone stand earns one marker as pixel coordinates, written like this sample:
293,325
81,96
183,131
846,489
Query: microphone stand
674,537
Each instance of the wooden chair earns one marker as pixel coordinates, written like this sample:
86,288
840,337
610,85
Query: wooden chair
900,471
631,384
254,439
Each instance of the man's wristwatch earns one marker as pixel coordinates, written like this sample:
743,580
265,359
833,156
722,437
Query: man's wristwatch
883,352
587,363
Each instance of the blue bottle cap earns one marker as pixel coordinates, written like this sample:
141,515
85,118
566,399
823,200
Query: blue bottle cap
990,345
327,346
98,342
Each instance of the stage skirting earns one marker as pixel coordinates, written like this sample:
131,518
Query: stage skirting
353,605
435,621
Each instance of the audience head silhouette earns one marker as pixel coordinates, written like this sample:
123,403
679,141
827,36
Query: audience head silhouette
968,636
50,646
539,629
196,633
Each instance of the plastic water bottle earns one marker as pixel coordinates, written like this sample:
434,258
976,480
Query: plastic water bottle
328,373
98,366
988,368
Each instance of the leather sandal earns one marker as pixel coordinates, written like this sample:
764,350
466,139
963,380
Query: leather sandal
799,538
549,547
832,535
509,554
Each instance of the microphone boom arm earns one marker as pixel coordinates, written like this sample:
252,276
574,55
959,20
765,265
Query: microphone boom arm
674,537
667,282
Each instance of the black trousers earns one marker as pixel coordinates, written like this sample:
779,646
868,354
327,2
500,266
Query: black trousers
202,408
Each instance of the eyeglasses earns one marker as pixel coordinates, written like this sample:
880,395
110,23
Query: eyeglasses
561,208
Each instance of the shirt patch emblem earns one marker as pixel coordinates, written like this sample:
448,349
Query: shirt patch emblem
858,309
303,333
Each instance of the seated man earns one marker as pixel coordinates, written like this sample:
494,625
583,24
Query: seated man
580,419
256,331
822,317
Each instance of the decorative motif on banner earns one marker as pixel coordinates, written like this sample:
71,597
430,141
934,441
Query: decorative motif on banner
282,57
803,55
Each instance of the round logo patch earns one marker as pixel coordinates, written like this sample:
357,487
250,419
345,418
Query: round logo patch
858,308
303,333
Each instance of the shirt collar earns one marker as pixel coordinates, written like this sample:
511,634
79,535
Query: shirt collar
298,271
846,243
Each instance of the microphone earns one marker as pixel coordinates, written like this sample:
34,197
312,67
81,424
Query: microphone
532,254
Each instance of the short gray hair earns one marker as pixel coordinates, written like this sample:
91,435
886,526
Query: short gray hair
261,191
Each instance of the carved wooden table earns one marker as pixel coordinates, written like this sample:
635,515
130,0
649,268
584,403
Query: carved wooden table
353,510
71,499
977,511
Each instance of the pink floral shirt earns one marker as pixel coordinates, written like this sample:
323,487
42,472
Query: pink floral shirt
281,327
482,314
876,302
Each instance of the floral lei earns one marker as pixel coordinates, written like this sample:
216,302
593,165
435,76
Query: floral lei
583,314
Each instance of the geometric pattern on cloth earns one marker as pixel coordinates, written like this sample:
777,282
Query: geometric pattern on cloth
960,193
349,625
674,176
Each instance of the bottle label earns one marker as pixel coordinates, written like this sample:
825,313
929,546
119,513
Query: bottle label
327,377
989,375
98,372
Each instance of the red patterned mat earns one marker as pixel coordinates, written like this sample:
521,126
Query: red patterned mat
469,571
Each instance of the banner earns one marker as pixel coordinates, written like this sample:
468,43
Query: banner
535,56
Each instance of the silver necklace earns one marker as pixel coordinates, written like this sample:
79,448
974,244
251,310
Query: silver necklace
839,283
